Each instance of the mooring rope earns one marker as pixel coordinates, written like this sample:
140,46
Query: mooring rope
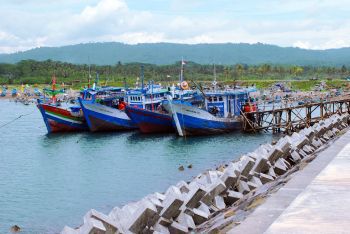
20,116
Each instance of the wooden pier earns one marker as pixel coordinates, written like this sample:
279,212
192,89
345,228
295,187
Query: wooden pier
291,118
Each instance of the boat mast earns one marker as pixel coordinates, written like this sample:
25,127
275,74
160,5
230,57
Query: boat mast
142,77
54,89
214,81
182,70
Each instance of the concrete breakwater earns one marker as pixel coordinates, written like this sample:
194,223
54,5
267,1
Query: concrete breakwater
187,206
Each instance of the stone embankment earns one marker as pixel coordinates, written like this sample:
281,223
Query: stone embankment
196,205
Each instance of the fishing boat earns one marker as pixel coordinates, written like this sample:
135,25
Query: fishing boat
220,113
145,110
60,117
14,92
149,115
106,113
3,92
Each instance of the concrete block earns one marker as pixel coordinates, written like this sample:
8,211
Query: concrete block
159,196
205,208
302,153
243,187
246,165
233,167
111,225
172,204
301,142
283,145
307,149
261,165
164,222
274,154
69,230
252,185
158,203
229,178
326,137
214,189
212,176
256,181
145,216
232,197
158,228
295,156
315,143
219,202
187,221
280,167
183,186
92,226
194,196
265,178
272,172
198,216
176,228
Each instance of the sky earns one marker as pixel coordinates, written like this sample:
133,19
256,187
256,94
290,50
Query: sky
309,24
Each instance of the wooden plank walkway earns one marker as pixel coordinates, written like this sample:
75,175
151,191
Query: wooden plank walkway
292,118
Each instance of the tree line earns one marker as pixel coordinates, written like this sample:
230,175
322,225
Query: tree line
35,72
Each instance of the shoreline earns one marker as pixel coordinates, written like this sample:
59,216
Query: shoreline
193,206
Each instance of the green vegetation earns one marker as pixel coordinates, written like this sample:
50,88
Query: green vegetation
263,76
110,53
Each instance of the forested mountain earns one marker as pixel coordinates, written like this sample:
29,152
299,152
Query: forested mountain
110,53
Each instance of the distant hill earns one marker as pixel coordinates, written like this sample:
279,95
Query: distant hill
110,53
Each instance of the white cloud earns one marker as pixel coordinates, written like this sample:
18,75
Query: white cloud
304,24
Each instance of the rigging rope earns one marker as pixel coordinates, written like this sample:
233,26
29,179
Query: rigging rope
20,116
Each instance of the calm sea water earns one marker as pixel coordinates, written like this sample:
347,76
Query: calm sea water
48,181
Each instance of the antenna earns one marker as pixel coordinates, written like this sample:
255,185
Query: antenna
142,76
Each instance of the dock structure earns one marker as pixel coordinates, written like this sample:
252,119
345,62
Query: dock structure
293,117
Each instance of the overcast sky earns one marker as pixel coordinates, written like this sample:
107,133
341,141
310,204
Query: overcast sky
311,24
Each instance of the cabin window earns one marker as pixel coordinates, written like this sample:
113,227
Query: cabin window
220,99
215,99
210,99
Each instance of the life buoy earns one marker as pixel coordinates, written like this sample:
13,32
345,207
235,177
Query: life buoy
184,85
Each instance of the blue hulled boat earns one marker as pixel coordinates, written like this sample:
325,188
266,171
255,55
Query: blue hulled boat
220,112
145,111
106,113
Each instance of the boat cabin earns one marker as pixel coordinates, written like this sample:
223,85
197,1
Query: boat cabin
226,103
146,99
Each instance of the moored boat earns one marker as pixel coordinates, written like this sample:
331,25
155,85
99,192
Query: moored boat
220,113
106,114
150,121
62,119
58,117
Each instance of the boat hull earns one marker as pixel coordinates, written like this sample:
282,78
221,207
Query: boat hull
61,120
149,121
103,118
195,121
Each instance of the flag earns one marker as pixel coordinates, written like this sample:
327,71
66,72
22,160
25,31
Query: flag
183,62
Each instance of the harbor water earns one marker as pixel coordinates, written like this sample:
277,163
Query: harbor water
48,181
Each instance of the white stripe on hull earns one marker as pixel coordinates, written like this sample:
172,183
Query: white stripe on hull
63,118
195,112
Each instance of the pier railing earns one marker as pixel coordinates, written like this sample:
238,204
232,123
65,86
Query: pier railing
291,118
